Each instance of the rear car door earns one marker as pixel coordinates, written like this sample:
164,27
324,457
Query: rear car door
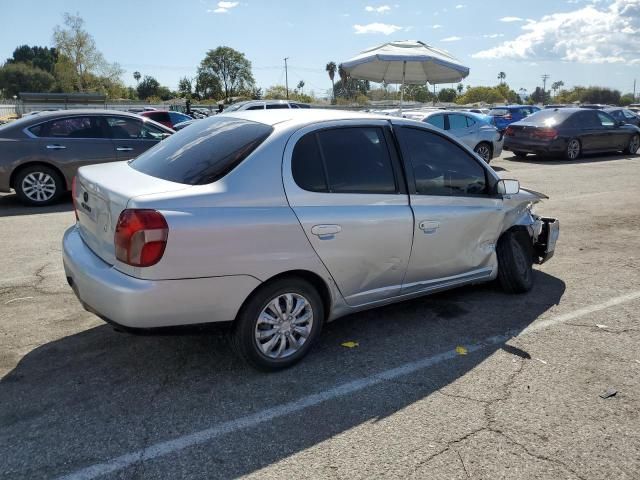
74,141
343,182
457,221
590,130
132,136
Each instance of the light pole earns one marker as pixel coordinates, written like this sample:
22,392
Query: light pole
286,76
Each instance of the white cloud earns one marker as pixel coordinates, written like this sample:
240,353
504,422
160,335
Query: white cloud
436,26
451,39
591,34
224,7
493,35
383,28
511,19
459,6
380,9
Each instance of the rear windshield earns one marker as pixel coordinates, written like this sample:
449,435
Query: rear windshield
204,152
549,117
499,111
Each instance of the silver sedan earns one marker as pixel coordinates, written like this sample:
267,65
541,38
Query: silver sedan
282,221
472,129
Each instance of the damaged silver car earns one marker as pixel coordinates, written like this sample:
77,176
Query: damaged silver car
281,221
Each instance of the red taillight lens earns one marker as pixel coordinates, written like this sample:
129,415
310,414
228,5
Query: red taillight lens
509,132
545,133
73,196
141,237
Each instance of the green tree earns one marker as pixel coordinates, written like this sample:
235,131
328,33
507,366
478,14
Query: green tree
540,96
447,95
279,92
555,86
148,87
331,70
43,58
300,86
78,48
627,99
502,76
137,76
185,87
230,67
20,77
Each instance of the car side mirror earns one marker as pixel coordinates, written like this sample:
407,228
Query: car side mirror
507,187
620,123
165,135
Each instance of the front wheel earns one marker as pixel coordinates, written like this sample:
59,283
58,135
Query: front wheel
38,185
633,145
483,149
519,154
279,324
515,262
572,151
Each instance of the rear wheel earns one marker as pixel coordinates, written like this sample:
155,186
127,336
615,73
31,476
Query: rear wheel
634,144
515,262
279,324
483,149
572,152
38,185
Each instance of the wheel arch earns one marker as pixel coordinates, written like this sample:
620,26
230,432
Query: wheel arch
17,170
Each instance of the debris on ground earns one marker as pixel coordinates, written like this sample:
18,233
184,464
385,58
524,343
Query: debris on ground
611,392
599,325
350,344
460,350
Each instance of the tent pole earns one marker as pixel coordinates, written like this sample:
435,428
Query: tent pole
404,66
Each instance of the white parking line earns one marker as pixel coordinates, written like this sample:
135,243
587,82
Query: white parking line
202,436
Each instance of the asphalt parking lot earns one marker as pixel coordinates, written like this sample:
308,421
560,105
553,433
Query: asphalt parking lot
472,383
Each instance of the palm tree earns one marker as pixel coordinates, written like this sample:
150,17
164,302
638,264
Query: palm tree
301,86
502,76
460,88
331,70
556,86
137,76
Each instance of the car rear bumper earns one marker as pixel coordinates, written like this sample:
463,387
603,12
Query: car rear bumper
529,145
137,303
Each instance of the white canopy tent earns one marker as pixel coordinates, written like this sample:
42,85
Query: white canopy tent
406,62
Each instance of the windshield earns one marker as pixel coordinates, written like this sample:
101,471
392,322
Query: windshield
203,153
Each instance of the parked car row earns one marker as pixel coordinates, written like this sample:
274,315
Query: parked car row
266,219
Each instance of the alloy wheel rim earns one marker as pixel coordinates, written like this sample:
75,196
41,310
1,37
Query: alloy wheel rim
634,144
483,152
283,325
573,149
39,186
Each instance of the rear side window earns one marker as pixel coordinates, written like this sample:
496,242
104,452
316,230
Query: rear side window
441,167
344,160
72,127
605,120
205,152
159,116
436,121
274,106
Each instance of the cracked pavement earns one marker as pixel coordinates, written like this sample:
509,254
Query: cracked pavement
74,393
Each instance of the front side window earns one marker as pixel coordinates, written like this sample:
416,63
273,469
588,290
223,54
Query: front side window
441,167
71,127
255,107
177,117
124,128
436,121
617,114
344,160
629,114
205,152
457,122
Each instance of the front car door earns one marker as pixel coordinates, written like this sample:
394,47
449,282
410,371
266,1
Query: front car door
612,137
132,136
457,220
344,183
74,141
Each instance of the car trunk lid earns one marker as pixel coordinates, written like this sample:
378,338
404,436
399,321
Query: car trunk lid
102,192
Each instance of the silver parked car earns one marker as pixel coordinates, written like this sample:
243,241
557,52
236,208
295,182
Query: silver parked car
282,221
472,129
40,154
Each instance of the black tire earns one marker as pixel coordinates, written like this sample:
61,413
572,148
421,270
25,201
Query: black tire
520,154
573,149
515,261
484,150
633,145
39,185
246,327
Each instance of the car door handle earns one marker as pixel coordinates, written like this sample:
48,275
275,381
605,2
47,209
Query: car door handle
56,147
326,230
429,226
124,149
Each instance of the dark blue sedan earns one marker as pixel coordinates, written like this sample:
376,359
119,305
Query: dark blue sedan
505,116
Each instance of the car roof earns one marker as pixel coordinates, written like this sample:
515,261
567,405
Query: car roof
301,117
80,111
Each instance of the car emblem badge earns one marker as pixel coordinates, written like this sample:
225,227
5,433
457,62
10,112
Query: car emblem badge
86,197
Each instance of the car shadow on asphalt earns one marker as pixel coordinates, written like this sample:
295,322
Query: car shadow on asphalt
99,394
587,158
10,206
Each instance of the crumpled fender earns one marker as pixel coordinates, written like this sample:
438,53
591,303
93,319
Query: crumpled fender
518,212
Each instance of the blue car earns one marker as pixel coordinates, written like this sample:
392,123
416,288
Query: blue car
504,116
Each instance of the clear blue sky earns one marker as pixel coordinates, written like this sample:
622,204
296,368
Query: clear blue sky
581,42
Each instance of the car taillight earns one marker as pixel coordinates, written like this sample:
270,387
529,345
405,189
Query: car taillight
73,196
509,132
140,237
545,133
